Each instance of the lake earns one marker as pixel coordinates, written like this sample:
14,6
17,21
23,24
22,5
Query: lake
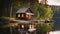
54,32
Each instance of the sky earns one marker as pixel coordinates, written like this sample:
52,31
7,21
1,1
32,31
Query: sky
53,2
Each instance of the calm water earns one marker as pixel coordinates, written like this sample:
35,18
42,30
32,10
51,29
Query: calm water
54,32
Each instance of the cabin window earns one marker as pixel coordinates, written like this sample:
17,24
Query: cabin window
33,26
22,26
22,15
30,27
27,15
18,15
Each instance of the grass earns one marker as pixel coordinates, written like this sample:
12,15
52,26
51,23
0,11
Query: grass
10,25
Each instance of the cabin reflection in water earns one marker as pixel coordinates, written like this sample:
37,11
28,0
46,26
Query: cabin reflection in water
24,16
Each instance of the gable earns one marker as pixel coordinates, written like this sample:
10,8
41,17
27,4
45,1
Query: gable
24,10
29,10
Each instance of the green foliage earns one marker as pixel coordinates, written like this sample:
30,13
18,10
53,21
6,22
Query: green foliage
43,28
34,8
41,12
16,2
47,27
4,18
10,25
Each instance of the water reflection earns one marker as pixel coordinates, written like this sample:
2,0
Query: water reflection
54,32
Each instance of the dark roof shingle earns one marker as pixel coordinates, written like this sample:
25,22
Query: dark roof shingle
22,10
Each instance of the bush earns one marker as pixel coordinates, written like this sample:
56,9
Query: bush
43,28
4,18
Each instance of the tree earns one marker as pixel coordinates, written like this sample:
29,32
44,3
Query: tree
41,11
43,28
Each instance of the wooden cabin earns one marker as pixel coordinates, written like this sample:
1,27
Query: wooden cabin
26,23
24,14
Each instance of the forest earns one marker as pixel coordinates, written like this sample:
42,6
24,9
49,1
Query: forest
9,8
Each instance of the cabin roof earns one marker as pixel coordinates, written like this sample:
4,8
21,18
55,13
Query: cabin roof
24,10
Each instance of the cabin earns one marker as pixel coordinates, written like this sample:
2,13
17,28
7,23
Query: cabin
24,17
26,23
24,14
